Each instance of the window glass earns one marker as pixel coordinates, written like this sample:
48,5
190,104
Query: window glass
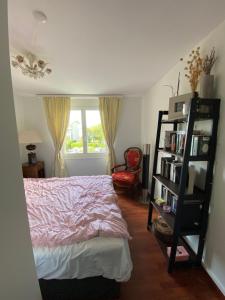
95,136
74,136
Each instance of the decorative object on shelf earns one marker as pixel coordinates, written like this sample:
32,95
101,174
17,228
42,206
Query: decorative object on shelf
167,208
194,68
176,105
179,106
200,144
31,66
160,201
30,138
206,79
181,254
178,84
162,230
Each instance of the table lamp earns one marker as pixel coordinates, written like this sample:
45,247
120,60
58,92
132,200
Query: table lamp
30,138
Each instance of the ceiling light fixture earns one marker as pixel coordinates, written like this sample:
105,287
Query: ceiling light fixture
31,66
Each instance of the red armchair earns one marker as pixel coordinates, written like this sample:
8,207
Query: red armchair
127,175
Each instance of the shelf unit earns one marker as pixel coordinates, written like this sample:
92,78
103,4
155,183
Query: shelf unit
183,222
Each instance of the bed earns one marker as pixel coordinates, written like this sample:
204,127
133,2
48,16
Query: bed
80,240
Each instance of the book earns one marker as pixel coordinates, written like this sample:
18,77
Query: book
181,254
165,168
175,171
167,140
174,204
180,142
173,142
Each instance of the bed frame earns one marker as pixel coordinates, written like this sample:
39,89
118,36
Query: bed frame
92,288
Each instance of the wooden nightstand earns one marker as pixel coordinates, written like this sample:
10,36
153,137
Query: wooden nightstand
34,171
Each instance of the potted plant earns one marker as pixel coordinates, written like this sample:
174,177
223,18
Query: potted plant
207,80
194,69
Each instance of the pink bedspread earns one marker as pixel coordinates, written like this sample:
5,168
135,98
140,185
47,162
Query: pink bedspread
62,211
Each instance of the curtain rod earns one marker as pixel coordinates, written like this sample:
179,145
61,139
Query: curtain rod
81,95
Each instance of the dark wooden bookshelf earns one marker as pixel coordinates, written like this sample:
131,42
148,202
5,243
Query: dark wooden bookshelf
191,158
169,217
174,189
191,217
170,220
182,120
181,242
171,186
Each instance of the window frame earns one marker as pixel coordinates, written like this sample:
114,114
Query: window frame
85,154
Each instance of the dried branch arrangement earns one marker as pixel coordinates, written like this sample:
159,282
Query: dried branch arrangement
209,61
194,68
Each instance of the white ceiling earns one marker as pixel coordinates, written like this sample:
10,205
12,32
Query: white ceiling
108,46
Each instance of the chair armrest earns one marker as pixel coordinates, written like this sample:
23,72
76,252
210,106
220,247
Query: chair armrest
117,166
136,172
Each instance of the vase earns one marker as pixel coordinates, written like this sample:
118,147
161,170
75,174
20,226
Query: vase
206,86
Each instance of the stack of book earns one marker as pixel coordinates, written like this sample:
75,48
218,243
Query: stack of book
172,202
165,166
175,141
175,171
171,169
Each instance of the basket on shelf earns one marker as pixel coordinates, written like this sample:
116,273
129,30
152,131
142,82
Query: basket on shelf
162,230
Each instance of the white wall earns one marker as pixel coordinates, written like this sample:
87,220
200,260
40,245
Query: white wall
157,98
30,114
17,271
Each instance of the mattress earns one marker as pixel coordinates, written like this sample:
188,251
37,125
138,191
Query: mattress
100,256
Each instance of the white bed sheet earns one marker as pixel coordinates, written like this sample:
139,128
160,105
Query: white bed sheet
100,256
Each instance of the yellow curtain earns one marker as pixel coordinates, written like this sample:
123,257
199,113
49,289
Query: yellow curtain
109,111
57,110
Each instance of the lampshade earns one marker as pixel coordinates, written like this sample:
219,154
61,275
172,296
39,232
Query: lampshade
29,137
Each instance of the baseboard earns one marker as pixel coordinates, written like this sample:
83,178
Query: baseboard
215,279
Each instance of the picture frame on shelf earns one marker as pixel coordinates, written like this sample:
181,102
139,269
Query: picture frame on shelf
177,104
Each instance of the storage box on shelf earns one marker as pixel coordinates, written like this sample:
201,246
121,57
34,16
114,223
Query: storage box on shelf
189,204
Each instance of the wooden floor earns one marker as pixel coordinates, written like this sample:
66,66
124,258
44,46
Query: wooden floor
150,280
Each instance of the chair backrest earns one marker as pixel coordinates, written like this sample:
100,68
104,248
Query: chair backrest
133,157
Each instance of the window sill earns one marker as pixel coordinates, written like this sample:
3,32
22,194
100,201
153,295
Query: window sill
69,156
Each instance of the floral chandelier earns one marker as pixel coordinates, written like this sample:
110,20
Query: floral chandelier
31,66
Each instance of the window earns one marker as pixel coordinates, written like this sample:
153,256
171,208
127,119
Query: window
84,133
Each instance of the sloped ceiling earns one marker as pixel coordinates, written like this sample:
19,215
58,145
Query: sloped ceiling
107,46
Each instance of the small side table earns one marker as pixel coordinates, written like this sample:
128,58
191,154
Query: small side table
34,170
